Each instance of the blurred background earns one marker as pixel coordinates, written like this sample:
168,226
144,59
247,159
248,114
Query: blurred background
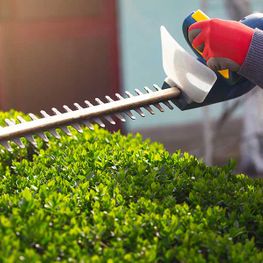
56,52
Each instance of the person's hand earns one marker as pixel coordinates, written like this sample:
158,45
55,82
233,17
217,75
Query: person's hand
224,44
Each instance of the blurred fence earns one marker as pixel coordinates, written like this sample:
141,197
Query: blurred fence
57,52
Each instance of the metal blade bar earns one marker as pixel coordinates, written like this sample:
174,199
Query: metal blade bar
51,122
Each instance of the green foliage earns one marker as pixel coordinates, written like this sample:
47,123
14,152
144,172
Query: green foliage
101,197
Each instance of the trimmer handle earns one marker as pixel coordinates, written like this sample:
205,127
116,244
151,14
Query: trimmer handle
226,87
230,77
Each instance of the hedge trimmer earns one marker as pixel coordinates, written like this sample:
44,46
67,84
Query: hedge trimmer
189,84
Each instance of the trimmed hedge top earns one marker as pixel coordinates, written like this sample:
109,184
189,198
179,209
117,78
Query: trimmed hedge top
101,197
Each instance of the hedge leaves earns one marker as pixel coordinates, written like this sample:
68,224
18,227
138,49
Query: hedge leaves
101,197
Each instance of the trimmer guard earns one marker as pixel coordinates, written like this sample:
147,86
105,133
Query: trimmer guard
184,71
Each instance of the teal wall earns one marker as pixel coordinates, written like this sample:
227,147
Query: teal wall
141,63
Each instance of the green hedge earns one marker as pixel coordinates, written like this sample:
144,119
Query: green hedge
101,197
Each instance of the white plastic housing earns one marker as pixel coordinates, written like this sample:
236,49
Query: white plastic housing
186,72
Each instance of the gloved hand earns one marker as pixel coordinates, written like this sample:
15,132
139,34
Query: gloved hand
224,43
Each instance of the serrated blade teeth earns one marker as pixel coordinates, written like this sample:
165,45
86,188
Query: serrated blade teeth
119,96
33,116
156,87
129,113
31,140
148,90
149,109
56,111
43,136
120,117
7,146
77,127
102,112
168,105
100,102
51,131
44,114
88,124
110,120
138,92
109,99
129,94
107,118
78,106
140,112
66,130
21,119
9,122
28,137
88,103
159,107
54,133
98,121
66,108
18,142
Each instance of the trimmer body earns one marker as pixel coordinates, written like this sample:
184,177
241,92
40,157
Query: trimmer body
229,85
